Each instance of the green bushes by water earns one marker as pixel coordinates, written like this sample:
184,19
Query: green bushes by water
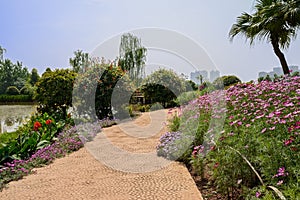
15,98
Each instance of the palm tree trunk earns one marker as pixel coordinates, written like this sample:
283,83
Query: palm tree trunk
279,54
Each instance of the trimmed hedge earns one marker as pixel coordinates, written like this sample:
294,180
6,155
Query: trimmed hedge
12,90
15,98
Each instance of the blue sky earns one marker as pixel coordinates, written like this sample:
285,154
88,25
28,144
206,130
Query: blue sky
45,33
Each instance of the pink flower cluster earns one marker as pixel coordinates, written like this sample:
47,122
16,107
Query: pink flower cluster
281,172
276,104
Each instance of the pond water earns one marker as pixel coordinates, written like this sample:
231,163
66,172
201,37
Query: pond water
12,116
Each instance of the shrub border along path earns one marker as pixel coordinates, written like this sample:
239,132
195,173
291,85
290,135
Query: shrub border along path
80,176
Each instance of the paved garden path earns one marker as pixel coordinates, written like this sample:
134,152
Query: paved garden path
82,174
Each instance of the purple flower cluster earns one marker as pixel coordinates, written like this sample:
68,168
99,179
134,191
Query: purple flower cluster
173,144
167,145
197,150
281,172
67,141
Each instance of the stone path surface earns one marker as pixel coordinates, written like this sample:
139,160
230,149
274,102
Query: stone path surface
85,175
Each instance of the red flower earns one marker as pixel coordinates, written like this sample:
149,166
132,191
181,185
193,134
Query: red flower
216,165
49,121
212,148
37,125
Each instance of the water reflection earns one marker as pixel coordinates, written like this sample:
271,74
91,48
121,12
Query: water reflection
12,116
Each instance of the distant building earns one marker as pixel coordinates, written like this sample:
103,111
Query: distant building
294,68
214,74
278,71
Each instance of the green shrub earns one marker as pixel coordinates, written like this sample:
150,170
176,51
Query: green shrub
174,123
163,86
226,81
37,133
12,90
107,80
54,92
27,90
186,97
15,98
156,106
143,108
24,90
190,85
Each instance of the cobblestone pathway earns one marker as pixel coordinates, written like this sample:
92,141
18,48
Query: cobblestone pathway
82,174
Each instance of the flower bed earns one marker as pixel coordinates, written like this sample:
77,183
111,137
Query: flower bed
249,148
70,139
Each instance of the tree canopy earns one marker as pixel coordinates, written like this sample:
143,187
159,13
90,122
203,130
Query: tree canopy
132,57
54,91
79,61
12,75
163,86
277,21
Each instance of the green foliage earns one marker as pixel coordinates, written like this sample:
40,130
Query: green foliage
80,61
28,89
226,81
12,90
295,73
266,78
24,90
8,137
144,108
185,97
15,98
34,77
105,88
37,133
174,123
276,21
54,92
163,86
254,152
100,80
132,57
190,85
12,75
2,51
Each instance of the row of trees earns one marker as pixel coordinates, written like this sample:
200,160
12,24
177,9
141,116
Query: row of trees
102,87
15,78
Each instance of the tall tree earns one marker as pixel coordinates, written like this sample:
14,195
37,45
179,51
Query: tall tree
2,51
12,75
276,21
132,57
34,76
54,91
79,61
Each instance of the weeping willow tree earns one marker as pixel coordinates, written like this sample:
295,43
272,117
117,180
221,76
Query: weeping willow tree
132,57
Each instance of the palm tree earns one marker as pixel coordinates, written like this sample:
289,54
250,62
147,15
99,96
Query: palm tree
274,20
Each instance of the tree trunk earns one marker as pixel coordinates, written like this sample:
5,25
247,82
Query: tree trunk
279,54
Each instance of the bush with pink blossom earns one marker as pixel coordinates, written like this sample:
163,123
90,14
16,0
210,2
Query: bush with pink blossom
257,147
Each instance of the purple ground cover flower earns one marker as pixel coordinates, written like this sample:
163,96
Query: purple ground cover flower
69,140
